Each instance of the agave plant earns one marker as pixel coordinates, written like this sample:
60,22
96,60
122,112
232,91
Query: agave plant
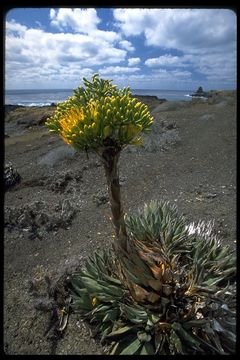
172,292
104,119
165,287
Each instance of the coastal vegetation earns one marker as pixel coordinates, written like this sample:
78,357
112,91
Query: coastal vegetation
166,286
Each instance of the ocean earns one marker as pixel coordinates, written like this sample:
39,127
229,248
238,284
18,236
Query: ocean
47,97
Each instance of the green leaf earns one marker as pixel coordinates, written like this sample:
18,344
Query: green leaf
135,315
195,323
176,342
76,282
111,315
92,285
111,289
191,340
82,299
99,286
81,305
114,349
132,348
147,349
92,272
120,331
112,280
101,308
143,336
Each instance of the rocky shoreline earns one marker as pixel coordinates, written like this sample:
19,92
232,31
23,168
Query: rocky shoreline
18,117
58,213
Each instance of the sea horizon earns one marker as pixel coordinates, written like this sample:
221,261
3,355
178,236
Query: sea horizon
45,97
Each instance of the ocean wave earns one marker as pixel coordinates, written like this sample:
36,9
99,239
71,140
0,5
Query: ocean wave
194,96
38,104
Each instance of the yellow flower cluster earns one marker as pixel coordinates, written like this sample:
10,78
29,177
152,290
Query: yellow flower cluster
120,118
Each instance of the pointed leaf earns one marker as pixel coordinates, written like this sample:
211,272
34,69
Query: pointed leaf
143,336
132,348
147,349
120,331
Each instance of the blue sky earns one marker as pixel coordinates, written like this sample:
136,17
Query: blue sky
155,48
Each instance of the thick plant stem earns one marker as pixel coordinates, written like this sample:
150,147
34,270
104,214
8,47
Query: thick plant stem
110,159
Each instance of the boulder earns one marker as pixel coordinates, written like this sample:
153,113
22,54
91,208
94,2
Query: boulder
11,176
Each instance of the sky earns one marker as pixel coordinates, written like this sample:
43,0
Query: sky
144,48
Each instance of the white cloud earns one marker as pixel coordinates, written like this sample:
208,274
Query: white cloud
165,60
216,67
159,79
34,50
134,21
52,14
79,20
84,21
134,61
184,29
124,44
181,74
15,29
212,65
171,75
206,37
118,70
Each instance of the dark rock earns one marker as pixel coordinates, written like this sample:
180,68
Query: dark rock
11,176
200,93
9,108
57,155
146,97
171,126
42,120
28,116
150,100
210,196
43,304
61,181
23,122
38,218
101,197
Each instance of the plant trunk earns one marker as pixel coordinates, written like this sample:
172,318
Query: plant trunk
110,159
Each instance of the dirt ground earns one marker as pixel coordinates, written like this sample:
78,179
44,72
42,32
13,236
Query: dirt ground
59,213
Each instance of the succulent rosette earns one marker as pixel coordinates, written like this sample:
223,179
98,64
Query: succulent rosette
172,293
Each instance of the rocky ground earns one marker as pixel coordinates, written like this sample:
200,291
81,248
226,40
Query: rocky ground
58,213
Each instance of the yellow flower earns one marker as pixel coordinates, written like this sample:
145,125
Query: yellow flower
93,107
133,130
94,301
66,140
70,121
63,311
88,120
